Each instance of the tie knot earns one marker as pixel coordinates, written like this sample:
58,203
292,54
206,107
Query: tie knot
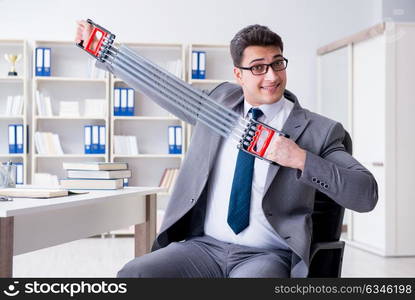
256,113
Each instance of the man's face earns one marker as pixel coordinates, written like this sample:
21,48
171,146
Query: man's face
261,89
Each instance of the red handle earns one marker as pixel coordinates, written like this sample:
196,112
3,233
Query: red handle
99,33
258,133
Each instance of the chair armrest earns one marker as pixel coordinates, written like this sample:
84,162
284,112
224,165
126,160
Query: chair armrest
325,246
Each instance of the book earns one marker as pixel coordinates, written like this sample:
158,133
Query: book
33,192
95,166
99,174
92,184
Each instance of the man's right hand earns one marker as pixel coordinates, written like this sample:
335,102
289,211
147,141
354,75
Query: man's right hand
83,32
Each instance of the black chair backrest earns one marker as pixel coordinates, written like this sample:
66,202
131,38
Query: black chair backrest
328,215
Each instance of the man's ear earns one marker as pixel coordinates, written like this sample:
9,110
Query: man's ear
237,73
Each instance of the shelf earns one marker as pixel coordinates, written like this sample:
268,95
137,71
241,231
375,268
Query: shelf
11,79
148,156
138,118
69,118
69,79
12,155
70,156
11,117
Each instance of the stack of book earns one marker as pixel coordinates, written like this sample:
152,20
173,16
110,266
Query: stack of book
95,175
169,179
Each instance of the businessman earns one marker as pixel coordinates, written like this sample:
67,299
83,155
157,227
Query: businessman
233,215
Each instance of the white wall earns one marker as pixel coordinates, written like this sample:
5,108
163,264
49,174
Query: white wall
304,25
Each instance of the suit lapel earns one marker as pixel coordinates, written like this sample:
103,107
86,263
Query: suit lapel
294,126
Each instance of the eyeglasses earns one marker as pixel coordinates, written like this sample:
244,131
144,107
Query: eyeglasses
261,69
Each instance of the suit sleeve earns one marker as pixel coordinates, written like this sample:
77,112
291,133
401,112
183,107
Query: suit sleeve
338,175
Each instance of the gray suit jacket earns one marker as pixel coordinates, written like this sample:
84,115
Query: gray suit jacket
289,193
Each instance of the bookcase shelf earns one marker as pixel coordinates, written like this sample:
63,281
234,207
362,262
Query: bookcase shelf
12,155
149,156
70,156
9,79
117,118
14,86
68,118
73,78
150,122
69,79
11,117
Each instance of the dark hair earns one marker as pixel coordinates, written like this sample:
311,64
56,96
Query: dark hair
253,35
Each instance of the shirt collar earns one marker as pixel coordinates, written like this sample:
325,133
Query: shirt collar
269,110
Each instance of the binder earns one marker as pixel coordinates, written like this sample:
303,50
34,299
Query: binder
178,139
95,139
19,138
12,138
172,132
88,138
123,109
130,102
102,139
195,63
202,65
39,61
46,61
117,101
19,173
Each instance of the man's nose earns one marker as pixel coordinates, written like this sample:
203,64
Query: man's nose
271,74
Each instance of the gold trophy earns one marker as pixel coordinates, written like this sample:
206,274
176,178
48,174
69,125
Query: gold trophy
13,59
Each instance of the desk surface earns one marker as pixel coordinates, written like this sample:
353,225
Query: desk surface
22,206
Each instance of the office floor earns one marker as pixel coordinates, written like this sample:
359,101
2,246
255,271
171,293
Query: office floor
103,257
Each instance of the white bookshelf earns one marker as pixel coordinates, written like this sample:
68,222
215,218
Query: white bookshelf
71,79
150,126
14,86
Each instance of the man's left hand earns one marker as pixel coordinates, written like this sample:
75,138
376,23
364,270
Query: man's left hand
286,153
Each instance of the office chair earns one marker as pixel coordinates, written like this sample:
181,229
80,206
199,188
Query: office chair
326,253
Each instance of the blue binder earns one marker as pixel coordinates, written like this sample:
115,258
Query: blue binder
195,64
130,102
178,139
46,61
123,102
19,138
19,173
117,101
12,138
102,139
39,62
88,139
171,137
95,139
202,64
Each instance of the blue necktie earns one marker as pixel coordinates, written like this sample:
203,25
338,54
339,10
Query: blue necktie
240,200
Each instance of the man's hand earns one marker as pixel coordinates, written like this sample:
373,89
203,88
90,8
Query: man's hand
286,153
83,31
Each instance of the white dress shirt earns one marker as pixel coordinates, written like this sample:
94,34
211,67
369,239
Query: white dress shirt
259,233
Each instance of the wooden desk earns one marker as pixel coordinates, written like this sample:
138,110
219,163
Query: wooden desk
28,224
